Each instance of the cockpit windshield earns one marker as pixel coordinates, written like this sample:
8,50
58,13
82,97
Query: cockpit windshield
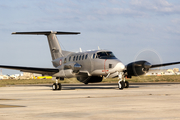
105,55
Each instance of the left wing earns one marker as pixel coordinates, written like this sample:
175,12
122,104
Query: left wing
45,71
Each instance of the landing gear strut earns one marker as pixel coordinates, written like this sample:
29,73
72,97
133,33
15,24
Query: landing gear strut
122,83
56,86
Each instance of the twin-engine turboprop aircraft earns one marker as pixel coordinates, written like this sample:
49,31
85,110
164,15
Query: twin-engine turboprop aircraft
87,67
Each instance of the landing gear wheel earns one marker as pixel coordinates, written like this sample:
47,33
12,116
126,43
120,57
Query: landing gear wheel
54,86
59,86
126,84
121,85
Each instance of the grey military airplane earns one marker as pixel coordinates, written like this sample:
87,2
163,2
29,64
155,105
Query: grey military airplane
88,66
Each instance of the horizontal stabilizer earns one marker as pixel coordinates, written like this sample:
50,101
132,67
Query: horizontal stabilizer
47,33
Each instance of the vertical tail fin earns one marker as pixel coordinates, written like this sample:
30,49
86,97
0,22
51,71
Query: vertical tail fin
55,48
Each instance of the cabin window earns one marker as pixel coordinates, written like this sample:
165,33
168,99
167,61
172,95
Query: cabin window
80,57
83,57
94,55
65,60
86,56
70,58
76,58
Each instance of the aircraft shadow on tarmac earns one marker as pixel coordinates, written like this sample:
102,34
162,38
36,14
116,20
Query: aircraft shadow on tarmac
90,86
93,87
74,88
85,87
97,86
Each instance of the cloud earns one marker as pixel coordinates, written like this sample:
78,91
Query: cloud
173,30
2,6
86,10
159,6
120,11
8,5
176,21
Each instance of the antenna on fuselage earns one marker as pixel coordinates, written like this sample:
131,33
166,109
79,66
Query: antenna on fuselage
80,50
99,48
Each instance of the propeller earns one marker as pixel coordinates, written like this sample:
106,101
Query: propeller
145,59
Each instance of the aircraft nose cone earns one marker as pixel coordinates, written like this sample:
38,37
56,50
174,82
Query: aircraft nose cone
120,66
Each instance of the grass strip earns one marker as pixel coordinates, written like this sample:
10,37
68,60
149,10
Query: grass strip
142,79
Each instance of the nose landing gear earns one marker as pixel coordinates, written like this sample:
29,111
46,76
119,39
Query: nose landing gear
122,83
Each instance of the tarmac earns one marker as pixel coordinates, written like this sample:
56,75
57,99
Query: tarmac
90,102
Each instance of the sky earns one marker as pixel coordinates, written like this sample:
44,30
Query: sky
126,27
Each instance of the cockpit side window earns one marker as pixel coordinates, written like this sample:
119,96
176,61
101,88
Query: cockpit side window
101,54
110,54
105,55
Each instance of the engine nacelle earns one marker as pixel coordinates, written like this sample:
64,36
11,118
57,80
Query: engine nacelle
137,68
90,79
74,66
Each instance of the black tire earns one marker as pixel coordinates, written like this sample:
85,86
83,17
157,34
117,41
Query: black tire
54,86
122,85
59,86
126,84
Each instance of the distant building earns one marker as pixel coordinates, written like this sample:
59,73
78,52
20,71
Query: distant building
177,73
4,77
15,76
159,72
176,70
156,72
169,72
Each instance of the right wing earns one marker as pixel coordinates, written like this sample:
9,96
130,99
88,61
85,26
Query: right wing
45,71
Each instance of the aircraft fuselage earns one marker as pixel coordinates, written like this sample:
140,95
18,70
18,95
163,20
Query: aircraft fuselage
94,63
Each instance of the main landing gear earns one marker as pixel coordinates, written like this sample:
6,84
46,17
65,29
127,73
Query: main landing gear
56,86
122,83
